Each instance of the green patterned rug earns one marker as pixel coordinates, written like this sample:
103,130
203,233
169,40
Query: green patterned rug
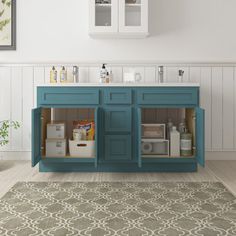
171,209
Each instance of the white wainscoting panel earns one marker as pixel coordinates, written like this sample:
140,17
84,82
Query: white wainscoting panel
218,88
228,108
217,108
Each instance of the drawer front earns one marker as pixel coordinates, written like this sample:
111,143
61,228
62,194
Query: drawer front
168,96
118,147
118,119
71,95
118,96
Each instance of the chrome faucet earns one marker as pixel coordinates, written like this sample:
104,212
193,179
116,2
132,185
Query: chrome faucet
161,74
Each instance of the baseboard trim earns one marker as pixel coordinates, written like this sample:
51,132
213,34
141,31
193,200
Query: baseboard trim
221,156
15,156
26,156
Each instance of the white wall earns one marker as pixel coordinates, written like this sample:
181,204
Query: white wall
181,30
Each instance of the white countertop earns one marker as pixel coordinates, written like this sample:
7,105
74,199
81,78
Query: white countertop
121,85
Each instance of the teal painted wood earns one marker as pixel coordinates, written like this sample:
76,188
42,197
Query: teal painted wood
36,136
139,137
71,95
68,160
118,96
200,133
97,123
118,99
118,119
119,167
164,96
118,147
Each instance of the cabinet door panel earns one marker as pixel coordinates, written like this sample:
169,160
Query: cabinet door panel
36,136
118,119
118,147
168,96
118,96
200,134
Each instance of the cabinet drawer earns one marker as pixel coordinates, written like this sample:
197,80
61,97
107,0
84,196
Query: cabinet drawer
68,96
118,119
165,96
118,96
118,147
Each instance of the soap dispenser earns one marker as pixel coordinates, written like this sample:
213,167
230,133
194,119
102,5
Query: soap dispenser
103,73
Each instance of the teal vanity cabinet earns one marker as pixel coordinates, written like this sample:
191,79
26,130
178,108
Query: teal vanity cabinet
118,112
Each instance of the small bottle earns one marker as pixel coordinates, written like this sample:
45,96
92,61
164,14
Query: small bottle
53,75
107,78
63,75
169,128
181,76
111,77
186,144
103,73
182,126
174,142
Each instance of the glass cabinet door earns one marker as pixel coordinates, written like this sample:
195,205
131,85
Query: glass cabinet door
103,16
133,16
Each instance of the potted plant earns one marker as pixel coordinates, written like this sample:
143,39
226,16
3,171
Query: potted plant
4,130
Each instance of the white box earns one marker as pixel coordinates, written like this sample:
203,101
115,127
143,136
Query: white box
155,147
56,130
55,147
157,131
85,149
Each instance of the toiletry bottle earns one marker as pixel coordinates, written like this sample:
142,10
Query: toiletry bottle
186,143
169,128
111,77
63,75
103,73
53,75
107,78
182,126
181,75
174,142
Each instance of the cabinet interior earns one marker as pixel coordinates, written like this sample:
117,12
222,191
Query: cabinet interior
67,116
161,116
133,13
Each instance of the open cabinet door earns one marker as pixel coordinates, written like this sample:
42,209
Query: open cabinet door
139,141
97,125
36,136
200,134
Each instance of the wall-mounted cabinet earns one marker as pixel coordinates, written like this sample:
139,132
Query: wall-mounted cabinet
118,18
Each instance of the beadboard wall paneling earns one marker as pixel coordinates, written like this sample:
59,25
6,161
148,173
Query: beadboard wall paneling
228,108
217,108
218,89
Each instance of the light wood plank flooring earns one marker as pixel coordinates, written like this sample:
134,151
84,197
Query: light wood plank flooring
14,171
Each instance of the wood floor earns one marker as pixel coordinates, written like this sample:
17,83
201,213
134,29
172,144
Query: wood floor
14,171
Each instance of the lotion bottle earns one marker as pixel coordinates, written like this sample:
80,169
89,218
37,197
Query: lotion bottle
53,75
103,74
63,75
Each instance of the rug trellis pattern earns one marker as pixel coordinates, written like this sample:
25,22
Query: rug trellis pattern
171,209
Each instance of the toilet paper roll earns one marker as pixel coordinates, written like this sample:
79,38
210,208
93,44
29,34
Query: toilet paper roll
146,148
